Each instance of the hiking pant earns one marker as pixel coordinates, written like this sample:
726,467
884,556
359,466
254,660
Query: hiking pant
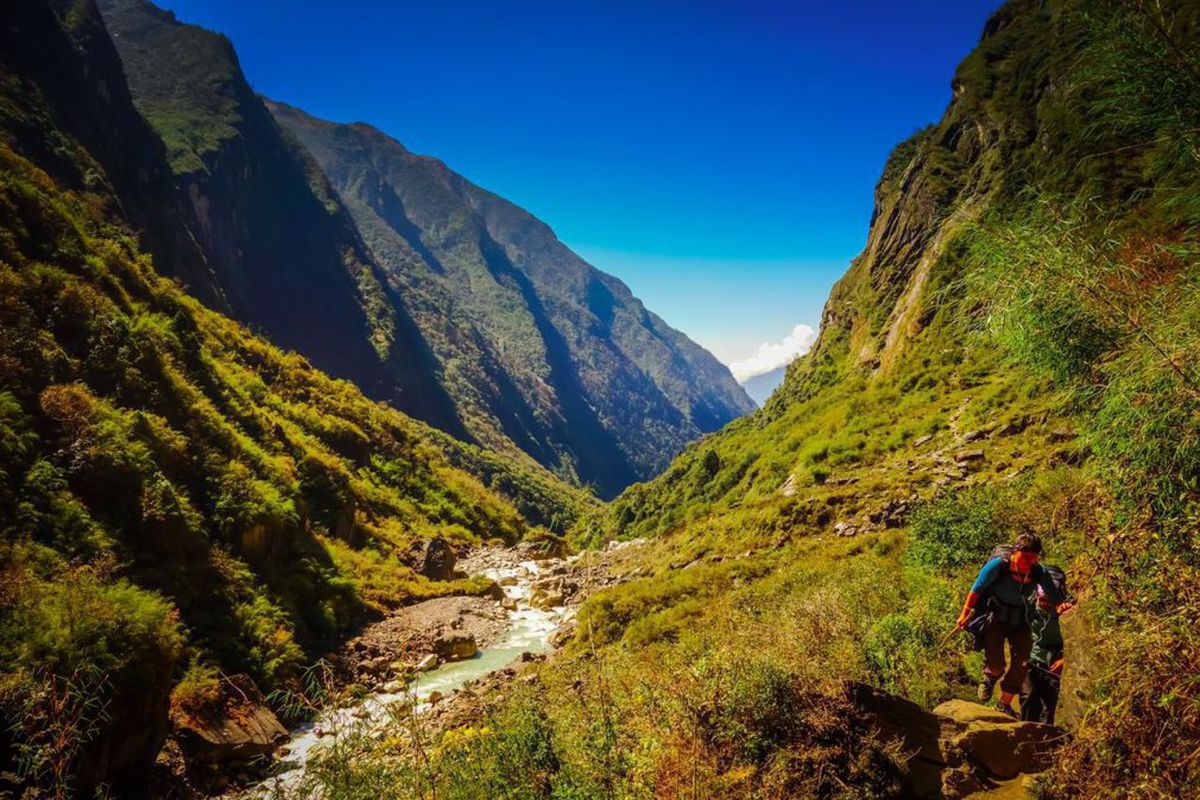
1020,643
1039,697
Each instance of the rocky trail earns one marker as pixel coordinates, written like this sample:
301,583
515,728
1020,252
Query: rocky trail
960,749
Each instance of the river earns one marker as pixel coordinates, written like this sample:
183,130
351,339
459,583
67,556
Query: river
528,630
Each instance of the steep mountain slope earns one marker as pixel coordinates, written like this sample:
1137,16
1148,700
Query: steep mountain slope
902,351
1016,349
284,254
176,494
541,347
463,310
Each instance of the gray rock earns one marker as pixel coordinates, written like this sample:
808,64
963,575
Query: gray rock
235,727
434,558
454,646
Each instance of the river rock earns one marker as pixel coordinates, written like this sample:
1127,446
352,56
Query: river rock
233,726
455,646
564,634
428,661
546,598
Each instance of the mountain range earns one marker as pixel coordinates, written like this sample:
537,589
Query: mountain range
391,270
255,367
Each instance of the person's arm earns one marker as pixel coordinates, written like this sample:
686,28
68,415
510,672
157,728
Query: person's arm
987,576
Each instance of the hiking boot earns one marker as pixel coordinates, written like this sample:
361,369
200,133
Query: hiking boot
985,689
1005,708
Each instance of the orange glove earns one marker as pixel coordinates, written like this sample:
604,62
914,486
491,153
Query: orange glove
1063,608
1056,667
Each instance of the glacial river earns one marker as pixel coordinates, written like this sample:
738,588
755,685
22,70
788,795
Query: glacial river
528,631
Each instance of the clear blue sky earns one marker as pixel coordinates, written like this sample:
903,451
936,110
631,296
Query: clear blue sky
717,156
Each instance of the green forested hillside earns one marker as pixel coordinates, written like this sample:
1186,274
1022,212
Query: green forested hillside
427,291
1014,350
540,347
176,493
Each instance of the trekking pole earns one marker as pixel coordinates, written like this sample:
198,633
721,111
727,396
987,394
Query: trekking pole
947,638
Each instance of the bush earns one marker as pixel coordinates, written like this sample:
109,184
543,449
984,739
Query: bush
956,529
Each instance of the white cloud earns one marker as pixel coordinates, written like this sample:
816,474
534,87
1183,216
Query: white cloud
772,355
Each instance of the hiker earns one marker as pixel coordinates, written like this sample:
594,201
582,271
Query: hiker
1039,695
1007,584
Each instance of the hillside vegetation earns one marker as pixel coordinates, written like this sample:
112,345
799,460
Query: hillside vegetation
1015,350
177,495
390,270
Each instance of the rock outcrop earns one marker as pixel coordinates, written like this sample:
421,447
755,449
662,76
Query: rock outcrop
434,558
235,726
960,749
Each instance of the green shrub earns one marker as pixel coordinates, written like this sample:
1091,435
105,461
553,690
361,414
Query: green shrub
956,529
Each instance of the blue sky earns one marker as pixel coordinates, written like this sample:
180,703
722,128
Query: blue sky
717,156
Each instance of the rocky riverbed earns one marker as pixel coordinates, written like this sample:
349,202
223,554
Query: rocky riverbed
437,657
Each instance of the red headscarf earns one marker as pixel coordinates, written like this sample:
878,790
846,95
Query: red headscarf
1020,564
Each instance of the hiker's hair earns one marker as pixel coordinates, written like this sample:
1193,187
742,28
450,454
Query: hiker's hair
1029,543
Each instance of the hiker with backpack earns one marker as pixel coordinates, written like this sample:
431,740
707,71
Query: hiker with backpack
997,610
1039,695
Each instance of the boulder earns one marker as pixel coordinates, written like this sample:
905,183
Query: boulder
455,646
546,598
960,748
434,558
231,727
564,634
1013,426
1001,745
428,661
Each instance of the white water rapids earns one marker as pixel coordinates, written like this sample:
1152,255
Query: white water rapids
528,631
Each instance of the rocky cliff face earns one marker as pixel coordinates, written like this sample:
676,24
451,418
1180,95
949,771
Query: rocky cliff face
453,303
541,348
284,255
901,323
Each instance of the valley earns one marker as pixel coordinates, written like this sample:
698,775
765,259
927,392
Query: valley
325,472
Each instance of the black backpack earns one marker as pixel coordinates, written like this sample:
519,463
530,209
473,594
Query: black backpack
1058,578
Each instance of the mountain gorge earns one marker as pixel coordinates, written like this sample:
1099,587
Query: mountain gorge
256,367
563,357
425,290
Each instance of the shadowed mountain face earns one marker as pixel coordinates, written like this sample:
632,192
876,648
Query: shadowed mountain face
538,346
424,289
283,255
